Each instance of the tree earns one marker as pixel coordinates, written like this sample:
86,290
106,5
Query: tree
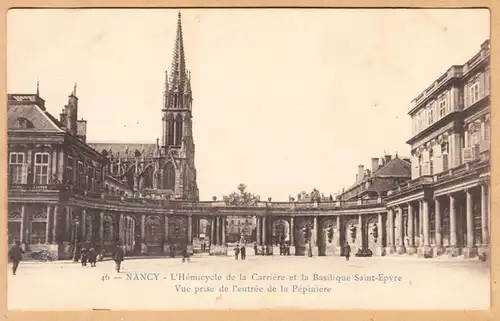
330,234
242,197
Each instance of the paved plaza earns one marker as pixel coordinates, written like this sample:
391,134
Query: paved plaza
375,283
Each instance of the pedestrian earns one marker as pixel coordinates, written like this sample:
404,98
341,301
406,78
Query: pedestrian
92,256
236,251
101,255
255,249
15,254
118,256
282,248
347,251
243,252
263,248
185,255
84,255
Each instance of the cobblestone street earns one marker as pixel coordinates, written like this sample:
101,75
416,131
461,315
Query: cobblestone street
375,283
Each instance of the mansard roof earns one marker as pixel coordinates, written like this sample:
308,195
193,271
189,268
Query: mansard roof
396,167
22,117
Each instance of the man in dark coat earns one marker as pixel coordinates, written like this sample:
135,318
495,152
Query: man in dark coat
93,256
85,255
15,254
118,256
236,251
243,252
347,251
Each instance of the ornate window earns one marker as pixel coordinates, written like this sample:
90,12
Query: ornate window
69,169
474,91
178,130
171,131
38,228
442,107
80,175
169,177
41,168
23,123
430,116
17,168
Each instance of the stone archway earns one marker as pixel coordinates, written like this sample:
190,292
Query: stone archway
154,234
351,234
328,238
202,229
129,224
280,231
373,239
177,234
301,246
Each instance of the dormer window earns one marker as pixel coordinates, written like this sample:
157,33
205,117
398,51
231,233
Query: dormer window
24,123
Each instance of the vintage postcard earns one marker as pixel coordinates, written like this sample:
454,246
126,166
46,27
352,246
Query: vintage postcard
183,159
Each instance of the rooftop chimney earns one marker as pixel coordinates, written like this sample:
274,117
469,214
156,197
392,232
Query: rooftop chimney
63,117
360,173
387,159
375,161
72,113
81,131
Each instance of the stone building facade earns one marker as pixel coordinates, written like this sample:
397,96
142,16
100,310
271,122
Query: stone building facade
64,191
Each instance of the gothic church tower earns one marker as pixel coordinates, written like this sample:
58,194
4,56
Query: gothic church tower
177,137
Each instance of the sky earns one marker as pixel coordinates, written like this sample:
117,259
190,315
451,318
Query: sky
285,100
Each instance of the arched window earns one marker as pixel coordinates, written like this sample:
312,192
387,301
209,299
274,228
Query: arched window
154,232
178,130
169,176
170,139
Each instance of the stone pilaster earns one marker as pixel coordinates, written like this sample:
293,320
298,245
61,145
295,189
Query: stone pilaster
55,226
380,236
47,224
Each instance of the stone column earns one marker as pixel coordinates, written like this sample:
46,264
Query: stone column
218,231
190,234
54,226
101,227
438,250
360,232
84,225
390,231
223,228
484,250
453,227
22,236
411,237
470,250
421,224
264,231
165,234
315,232
292,231
213,238
484,215
69,224
380,237
47,225
401,237
120,229
258,231
426,250
143,227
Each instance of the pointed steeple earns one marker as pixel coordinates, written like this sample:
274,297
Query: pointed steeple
165,92
178,69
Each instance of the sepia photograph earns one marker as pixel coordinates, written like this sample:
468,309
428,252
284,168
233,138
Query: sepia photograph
184,159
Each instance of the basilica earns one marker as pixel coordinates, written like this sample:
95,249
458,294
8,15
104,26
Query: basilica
64,191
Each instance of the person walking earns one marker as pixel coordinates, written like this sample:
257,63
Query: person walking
185,255
255,248
236,251
118,256
15,254
93,256
243,252
347,251
84,255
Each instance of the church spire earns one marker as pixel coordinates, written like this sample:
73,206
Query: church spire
178,69
165,92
